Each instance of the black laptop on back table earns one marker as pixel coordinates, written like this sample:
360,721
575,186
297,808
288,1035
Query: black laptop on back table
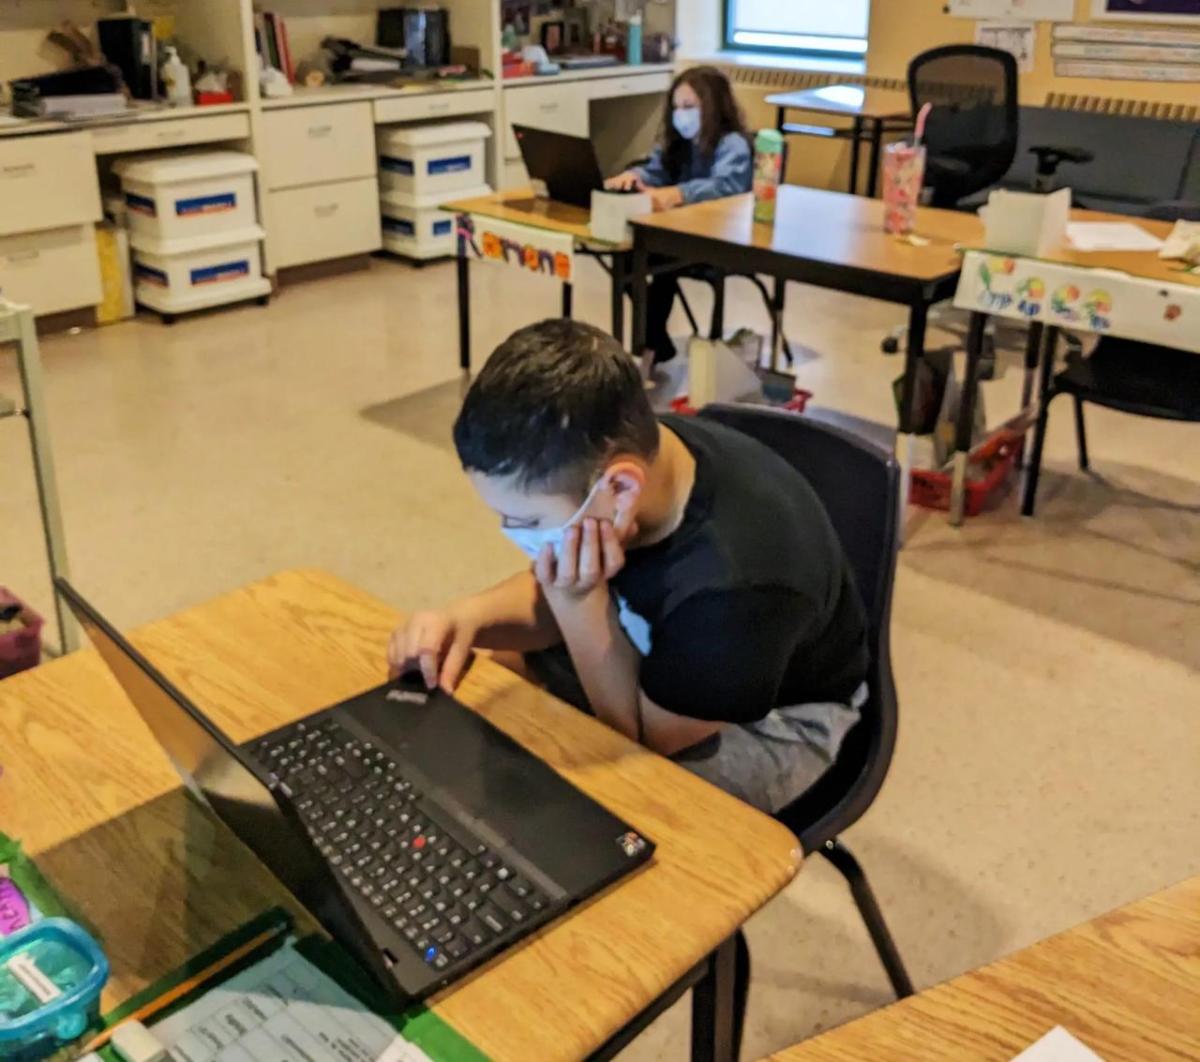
424,839
565,164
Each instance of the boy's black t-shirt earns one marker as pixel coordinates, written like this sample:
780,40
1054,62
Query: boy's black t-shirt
750,604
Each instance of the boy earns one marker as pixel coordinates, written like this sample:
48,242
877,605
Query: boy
691,574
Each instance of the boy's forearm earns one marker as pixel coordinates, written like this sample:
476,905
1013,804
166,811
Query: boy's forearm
510,615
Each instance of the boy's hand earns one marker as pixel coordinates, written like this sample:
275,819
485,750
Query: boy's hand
591,555
436,643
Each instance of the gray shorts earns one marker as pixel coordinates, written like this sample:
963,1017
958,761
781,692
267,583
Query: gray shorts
768,763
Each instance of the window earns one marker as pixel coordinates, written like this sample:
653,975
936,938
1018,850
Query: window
820,27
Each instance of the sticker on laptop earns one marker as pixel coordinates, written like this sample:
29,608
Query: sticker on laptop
631,844
407,696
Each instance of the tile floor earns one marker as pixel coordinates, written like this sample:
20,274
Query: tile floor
1047,668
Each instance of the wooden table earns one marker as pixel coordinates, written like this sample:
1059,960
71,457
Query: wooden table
872,111
100,809
522,208
827,239
1127,984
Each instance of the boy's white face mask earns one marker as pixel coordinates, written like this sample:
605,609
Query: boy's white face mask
530,540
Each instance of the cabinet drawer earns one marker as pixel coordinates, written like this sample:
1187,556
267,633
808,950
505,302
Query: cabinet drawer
170,132
324,221
47,182
604,88
434,105
559,108
53,270
307,145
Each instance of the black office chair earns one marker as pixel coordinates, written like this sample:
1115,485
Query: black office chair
1123,374
971,132
859,484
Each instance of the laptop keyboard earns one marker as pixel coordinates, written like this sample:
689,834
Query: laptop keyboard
424,872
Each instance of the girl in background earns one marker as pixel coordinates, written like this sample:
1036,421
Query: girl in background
703,153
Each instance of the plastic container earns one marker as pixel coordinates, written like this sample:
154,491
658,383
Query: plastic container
176,79
633,41
432,160
51,975
176,276
903,176
415,227
20,649
768,172
996,458
180,196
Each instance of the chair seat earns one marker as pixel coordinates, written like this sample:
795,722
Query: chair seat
1139,378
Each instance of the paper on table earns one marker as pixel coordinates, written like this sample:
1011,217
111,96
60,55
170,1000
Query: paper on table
1058,1045
1111,236
282,1008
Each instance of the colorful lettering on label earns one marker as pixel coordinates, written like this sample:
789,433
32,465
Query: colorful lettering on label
531,258
1099,306
562,266
1062,302
1032,291
491,245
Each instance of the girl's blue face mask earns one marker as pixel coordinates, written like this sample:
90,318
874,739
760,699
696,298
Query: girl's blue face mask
686,121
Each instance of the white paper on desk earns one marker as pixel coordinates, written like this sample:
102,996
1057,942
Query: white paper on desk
282,1009
1111,236
1058,1045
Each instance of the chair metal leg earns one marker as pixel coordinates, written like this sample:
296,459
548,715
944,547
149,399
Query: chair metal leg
1045,394
840,856
1081,434
687,309
716,328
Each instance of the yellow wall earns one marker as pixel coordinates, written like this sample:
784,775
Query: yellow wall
899,30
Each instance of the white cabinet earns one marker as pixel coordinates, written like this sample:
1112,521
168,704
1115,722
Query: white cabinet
323,221
309,145
47,182
559,108
604,88
424,106
51,270
169,133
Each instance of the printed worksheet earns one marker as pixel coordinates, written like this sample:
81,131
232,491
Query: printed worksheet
282,1009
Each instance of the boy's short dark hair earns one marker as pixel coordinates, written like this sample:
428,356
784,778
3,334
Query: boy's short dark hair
555,401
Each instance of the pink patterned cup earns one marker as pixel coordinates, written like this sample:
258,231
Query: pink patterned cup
903,175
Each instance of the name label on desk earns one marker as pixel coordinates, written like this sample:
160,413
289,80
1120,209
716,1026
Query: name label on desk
551,254
1081,299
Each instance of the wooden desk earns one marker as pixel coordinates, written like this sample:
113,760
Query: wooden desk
99,807
872,111
827,239
1127,984
521,207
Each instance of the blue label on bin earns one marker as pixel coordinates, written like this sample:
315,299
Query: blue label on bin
443,228
206,204
150,275
400,225
140,204
456,164
395,165
225,271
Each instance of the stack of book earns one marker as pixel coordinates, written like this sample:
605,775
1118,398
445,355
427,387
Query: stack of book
271,39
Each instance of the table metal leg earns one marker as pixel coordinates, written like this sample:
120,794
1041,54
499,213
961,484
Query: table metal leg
568,293
1033,349
966,416
876,139
777,298
619,277
639,286
714,1004
29,367
464,306
856,132
1045,374
914,355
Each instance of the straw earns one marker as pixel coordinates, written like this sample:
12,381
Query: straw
922,118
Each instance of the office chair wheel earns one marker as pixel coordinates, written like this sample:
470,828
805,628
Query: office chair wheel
262,300
168,318
890,345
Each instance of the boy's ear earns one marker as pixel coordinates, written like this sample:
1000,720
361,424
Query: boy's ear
627,478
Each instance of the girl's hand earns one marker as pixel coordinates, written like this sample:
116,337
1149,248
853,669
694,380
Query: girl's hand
629,181
666,198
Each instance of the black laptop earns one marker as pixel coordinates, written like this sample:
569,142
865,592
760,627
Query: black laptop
423,839
566,165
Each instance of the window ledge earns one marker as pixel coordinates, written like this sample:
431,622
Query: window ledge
772,61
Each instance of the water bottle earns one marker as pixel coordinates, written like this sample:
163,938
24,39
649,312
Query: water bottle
768,172
633,46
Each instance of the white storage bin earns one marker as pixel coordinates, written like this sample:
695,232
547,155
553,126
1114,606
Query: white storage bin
415,227
432,159
183,195
181,275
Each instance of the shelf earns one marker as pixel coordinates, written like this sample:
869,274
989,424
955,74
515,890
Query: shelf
308,97
616,70
142,113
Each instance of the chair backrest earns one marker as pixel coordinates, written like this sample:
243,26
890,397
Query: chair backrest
971,134
859,485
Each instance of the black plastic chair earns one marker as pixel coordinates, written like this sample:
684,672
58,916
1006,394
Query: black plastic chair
859,485
971,132
1122,374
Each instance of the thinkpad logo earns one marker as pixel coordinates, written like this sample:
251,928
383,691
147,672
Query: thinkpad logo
631,844
407,696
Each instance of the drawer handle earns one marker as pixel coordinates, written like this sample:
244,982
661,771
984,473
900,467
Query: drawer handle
547,107
24,256
325,210
443,106
20,169
168,134
319,130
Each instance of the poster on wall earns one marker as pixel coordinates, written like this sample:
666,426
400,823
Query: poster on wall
1148,10
1014,37
1039,10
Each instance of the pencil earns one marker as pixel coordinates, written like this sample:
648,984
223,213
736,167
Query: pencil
185,988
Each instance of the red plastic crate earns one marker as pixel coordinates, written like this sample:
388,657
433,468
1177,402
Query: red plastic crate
797,404
1000,454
